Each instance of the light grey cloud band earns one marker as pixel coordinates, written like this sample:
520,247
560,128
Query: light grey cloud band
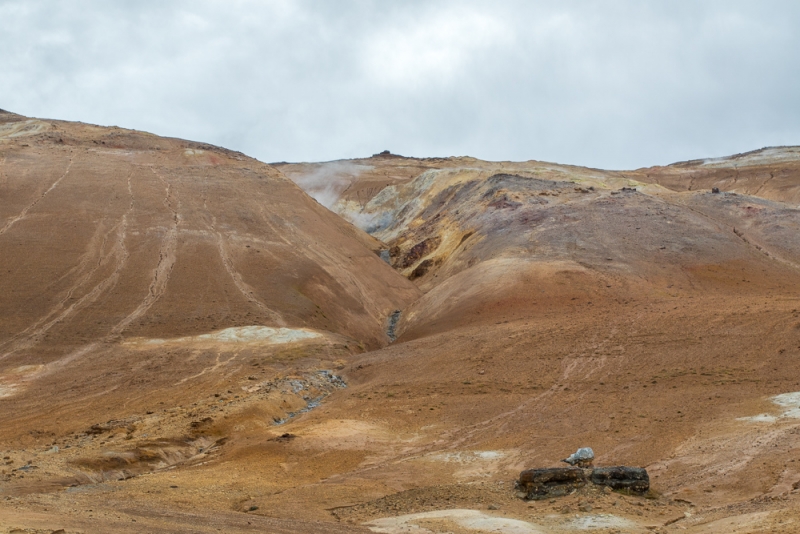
617,84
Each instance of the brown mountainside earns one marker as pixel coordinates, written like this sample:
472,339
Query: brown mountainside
176,318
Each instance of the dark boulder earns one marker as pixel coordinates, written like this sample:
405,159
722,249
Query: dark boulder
620,477
550,482
386,154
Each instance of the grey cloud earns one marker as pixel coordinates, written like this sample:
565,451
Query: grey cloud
615,84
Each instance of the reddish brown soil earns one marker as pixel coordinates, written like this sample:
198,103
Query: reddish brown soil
555,312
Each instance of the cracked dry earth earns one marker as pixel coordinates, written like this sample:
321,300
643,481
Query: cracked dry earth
189,342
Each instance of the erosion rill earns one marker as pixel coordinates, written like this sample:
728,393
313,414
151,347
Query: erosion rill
391,328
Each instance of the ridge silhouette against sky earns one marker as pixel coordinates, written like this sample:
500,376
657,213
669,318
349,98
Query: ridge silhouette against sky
614,84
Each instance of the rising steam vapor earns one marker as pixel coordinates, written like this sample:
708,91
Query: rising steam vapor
328,181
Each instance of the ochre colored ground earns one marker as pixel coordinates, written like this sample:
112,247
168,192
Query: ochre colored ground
572,314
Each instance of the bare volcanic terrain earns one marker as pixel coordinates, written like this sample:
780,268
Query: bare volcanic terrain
190,342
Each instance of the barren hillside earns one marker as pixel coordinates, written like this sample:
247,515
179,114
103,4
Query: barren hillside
189,342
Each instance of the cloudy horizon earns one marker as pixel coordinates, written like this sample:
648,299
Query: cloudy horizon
615,84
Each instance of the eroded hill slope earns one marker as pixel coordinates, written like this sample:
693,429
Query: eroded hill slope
190,343
141,275
567,307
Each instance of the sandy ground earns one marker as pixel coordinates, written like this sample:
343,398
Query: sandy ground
189,343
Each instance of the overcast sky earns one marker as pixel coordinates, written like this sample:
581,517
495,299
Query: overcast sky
610,84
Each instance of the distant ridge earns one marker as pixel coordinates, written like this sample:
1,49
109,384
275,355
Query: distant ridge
731,157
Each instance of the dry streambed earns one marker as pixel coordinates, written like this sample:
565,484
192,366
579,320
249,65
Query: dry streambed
182,435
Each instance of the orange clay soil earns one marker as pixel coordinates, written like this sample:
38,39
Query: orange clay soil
190,343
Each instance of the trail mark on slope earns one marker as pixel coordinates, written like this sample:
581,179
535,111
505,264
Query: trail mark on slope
771,176
240,284
721,227
245,289
34,334
11,222
166,260
218,363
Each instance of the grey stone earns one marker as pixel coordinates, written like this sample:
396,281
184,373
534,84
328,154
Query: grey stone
391,332
583,457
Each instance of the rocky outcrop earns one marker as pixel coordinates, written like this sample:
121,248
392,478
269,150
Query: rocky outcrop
415,253
620,477
550,482
535,484
391,328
